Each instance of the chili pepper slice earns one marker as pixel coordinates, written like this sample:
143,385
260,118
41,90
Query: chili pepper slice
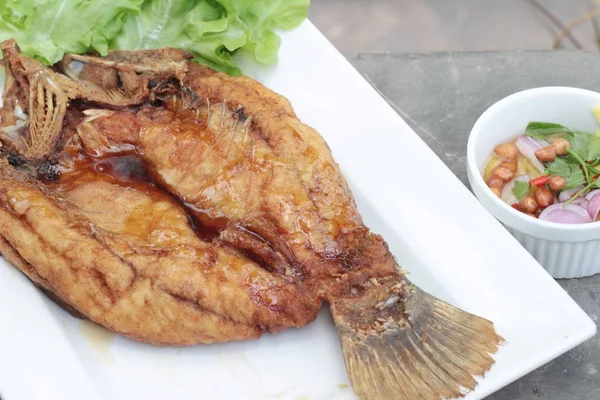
540,180
516,206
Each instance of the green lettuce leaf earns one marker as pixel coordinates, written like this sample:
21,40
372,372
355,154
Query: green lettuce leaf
158,24
213,30
46,29
264,17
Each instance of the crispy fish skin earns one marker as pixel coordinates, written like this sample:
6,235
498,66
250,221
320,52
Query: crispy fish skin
134,265
230,156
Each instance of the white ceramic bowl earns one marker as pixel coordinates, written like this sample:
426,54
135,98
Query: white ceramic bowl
564,250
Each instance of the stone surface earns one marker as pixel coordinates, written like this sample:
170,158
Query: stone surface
440,96
443,25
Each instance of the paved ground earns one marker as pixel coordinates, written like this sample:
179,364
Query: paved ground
434,25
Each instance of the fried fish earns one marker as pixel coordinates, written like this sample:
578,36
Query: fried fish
178,206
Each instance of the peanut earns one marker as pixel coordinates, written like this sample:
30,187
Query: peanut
507,151
495,182
528,204
557,183
503,173
544,197
511,165
546,154
561,145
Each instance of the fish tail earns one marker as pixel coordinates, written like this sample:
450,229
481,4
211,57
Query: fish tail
401,343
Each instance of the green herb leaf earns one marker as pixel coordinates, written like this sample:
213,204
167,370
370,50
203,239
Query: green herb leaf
520,189
584,166
579,143
540,130
569,169
593,152
584,153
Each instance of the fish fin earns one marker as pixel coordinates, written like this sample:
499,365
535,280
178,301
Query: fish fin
35,100
401,343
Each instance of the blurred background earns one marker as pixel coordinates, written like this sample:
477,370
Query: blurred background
452,25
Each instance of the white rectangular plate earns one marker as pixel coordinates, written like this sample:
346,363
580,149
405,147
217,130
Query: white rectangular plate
436,228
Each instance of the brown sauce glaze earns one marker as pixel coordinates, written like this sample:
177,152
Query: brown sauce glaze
129,170
124,166
206,225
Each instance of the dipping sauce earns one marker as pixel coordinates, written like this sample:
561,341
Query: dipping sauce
550,172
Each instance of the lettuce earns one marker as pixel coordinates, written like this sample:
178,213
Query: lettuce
213,30
46,29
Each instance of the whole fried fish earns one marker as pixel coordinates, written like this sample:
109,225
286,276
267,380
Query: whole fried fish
177,205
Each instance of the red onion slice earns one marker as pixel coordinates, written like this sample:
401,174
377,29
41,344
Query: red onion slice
580,201
571,214
528,146
568,193
592,194
507,195
594,205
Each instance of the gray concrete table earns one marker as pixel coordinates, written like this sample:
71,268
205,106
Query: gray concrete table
440,96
